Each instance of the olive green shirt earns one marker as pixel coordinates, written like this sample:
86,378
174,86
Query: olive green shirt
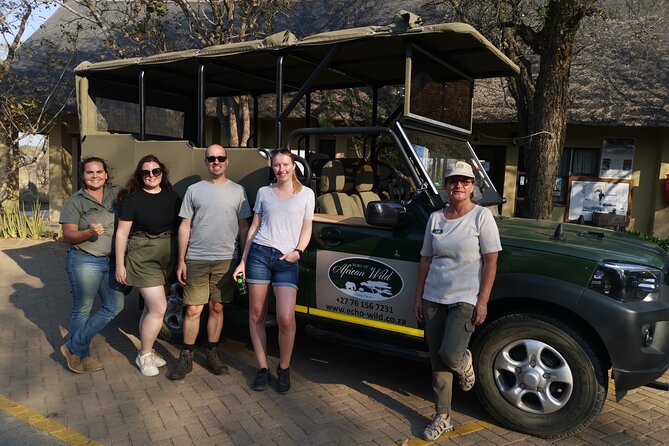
81,208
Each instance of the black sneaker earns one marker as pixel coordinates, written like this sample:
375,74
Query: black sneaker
283,379
262,379
183,367
215,362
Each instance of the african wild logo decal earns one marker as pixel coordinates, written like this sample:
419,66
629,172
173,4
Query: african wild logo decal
365,278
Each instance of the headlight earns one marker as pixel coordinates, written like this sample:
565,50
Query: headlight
627,282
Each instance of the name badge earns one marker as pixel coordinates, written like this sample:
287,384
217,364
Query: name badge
437,231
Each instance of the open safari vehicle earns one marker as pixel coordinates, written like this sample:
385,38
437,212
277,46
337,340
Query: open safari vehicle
568,305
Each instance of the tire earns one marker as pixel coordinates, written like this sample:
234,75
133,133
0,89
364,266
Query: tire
173,320
537,375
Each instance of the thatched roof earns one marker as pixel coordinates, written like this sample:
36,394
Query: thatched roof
614,81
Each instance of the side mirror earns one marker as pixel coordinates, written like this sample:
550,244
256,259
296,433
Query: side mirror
389,214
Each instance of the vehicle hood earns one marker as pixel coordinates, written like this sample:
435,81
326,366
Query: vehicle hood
580,241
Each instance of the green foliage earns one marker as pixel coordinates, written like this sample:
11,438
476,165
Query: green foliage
662,243
16,223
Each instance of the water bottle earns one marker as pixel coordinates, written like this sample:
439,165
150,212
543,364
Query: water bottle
241,284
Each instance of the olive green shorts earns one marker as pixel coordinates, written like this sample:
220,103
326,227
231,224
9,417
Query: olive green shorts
209,280
149,260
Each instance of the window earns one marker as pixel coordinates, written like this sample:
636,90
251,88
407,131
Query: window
574,162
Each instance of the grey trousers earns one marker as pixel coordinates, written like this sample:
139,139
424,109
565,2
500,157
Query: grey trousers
448,328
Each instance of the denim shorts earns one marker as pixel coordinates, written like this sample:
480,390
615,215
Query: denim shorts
264,267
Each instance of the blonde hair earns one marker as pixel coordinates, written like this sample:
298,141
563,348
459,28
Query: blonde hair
297,186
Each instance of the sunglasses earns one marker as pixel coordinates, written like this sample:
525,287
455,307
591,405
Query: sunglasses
155,172
220,158
456,181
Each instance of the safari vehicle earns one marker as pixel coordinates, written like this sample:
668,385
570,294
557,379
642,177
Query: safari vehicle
569,304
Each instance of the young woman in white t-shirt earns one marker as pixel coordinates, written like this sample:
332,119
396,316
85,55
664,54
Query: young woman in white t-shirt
279,233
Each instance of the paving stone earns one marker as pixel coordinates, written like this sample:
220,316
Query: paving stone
340,396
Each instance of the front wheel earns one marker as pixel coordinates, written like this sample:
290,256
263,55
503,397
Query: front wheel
538,376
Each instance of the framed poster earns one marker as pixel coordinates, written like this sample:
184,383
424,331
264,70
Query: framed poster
617,157
588,195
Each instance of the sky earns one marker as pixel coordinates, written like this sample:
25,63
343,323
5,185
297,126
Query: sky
38,17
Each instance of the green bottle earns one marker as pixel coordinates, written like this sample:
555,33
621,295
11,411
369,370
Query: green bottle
241,284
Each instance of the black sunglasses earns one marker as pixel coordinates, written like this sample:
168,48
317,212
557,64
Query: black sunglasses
280,151
454,181
220,158
155,172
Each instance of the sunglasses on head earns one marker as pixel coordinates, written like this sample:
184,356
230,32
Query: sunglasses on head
220,158
280,152
155,172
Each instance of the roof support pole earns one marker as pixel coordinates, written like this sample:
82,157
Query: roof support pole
307,123
256,122
200,105
310,81
142,107
375,120
279,99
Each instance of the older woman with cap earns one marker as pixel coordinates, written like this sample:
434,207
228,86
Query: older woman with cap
455,277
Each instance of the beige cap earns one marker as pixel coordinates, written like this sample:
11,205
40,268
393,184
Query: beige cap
460,169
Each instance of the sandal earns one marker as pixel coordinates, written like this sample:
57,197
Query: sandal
440,424
467,377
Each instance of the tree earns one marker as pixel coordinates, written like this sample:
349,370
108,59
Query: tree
142,27
542,37
20,111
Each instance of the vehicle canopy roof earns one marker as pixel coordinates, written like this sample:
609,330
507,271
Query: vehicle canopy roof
372,56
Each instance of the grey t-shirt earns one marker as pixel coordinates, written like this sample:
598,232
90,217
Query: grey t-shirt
281,220
81,208
215,211
456,247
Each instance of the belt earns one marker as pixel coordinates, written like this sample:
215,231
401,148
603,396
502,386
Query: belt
145,234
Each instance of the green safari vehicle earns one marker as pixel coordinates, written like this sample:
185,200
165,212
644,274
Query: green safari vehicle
571,306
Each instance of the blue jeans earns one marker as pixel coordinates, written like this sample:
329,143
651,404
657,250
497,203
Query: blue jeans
264,267
448,329
90,276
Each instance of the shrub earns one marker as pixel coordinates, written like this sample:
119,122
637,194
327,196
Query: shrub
663,243
16,223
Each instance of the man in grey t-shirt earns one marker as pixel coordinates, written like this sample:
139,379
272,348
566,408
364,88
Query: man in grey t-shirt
212,232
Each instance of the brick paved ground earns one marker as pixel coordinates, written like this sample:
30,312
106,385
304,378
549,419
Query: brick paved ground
341,396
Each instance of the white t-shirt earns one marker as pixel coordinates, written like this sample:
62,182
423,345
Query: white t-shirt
281,220
215,211
456,247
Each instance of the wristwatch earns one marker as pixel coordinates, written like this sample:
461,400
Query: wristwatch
299,251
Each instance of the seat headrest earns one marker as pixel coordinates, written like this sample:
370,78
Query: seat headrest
364,178
332,177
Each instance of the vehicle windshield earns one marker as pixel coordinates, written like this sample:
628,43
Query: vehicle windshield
436,151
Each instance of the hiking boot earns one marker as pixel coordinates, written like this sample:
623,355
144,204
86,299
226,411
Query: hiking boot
184,366
283,379
467,378
262,380
440,424
73,361
215,362
146,364
91,365
157,359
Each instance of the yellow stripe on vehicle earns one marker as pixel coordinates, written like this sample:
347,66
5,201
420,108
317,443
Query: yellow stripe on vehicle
301,309
366,322
44,424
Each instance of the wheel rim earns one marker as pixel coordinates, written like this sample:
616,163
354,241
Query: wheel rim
533,376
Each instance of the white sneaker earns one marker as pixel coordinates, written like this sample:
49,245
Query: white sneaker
146,365
157,359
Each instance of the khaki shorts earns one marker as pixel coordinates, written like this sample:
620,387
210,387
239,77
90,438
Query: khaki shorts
209,280
149,260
